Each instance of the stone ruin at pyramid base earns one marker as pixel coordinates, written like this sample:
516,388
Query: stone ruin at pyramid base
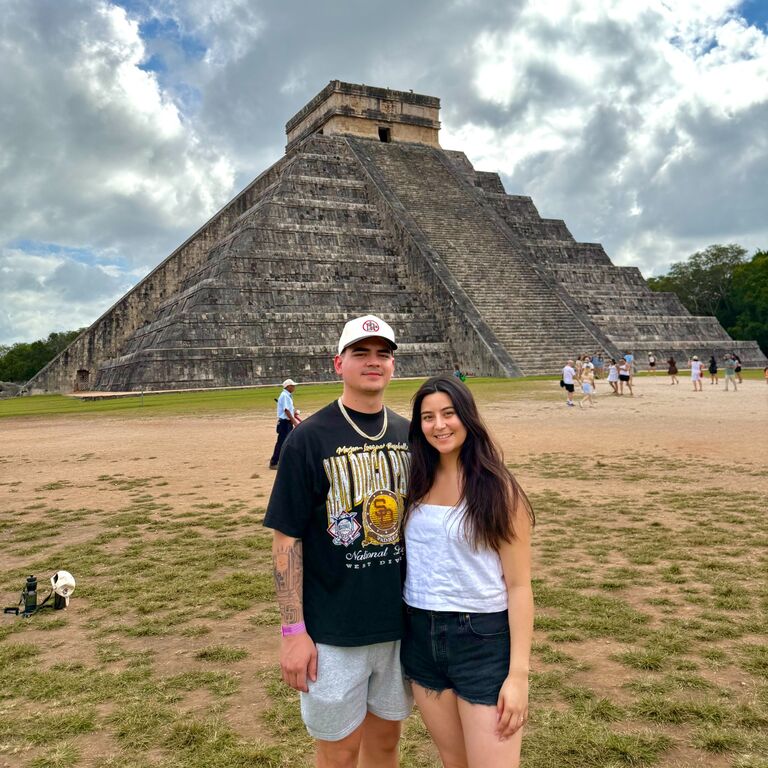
366,213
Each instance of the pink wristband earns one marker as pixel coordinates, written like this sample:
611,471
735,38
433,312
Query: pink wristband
293,629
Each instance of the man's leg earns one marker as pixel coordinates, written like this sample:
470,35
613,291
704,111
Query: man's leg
375,742
284,428
339,754
379,746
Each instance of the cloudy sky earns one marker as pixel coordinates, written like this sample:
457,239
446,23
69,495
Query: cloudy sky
125,125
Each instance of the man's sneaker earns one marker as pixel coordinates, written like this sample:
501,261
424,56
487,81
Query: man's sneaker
273,466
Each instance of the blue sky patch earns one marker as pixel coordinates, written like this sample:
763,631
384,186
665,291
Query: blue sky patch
82,255
167,29
755,12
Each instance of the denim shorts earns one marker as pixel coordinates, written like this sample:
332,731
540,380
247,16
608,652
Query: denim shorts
466,652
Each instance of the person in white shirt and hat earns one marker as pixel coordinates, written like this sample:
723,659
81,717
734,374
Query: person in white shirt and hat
286,419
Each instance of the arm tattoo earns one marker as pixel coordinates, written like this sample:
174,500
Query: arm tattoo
289,575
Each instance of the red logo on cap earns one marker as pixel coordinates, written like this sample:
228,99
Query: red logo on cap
370,326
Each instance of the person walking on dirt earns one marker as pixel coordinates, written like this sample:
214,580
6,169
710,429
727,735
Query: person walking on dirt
286,419
696,368
713,378
569,375
672,370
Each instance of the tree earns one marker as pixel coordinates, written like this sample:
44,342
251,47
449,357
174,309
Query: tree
703,282
23,360
750,300
719,281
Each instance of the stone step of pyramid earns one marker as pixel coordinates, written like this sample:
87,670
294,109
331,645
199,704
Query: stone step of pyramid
202,367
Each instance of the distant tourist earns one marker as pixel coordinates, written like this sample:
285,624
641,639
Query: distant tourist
651,362
569,374
729,368
765,374
713,378
286,420
613,376
672,370
597,363
696,369
587,387
625,376
629,358
737,359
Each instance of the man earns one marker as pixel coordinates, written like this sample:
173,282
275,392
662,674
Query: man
335,510
569,374
630,359
286,419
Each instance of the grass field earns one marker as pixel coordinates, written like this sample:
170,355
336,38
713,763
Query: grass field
226,400
651,585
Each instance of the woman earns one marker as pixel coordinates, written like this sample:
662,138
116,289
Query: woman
625,377
713,370
613,376
672,370
469,604
696,368
587,387
738,367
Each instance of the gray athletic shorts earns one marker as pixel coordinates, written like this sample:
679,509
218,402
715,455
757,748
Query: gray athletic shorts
352,682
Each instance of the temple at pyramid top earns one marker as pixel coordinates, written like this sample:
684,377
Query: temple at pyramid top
367,112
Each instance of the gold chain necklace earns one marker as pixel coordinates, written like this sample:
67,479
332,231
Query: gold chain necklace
372,438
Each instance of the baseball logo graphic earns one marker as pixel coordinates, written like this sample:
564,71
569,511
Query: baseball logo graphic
381,518
344,529
370,326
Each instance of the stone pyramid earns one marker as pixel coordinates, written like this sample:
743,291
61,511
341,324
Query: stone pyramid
367,213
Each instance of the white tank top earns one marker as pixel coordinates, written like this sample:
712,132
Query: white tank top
443,572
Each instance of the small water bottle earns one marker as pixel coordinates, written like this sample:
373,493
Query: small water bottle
30,596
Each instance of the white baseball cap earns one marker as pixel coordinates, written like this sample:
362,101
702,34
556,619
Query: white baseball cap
289,383
366,327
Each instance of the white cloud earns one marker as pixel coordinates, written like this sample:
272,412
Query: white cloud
42,293
625,112
96,155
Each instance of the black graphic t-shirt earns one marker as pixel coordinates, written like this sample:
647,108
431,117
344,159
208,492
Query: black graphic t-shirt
343,496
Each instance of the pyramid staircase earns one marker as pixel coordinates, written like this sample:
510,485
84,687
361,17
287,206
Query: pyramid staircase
616,299
533,318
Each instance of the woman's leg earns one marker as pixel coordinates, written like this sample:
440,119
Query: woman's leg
440,713
483,746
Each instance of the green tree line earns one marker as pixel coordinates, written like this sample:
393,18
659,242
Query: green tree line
21,361
723,281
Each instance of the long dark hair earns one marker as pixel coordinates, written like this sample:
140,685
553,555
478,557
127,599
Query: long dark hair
491,495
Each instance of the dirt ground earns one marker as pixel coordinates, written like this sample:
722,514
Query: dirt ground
225,451
61,462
